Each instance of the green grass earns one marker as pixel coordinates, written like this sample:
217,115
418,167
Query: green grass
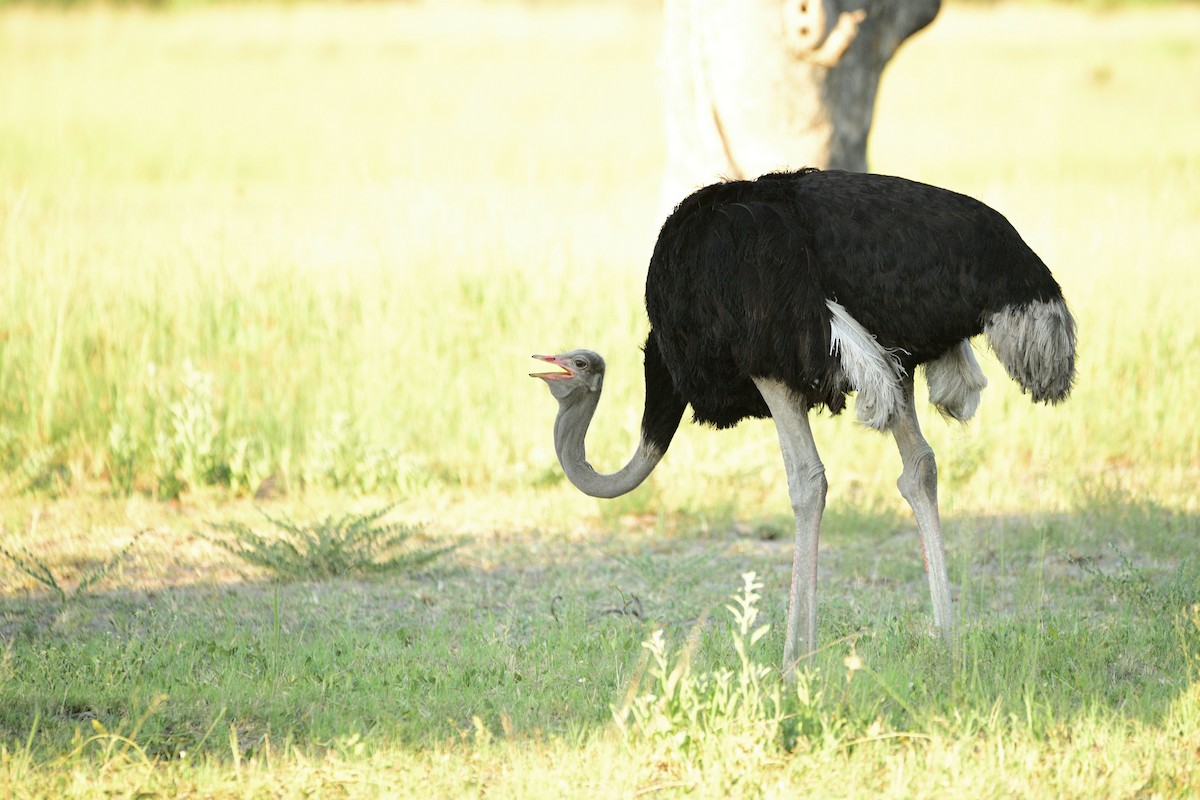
305,251
472,673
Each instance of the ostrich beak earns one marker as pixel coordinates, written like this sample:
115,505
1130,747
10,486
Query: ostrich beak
558,361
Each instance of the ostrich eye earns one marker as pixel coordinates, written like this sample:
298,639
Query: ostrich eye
580,364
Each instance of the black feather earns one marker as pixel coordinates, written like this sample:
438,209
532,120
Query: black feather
738,283
664,407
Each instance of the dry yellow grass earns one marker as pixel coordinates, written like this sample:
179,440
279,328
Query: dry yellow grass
380,211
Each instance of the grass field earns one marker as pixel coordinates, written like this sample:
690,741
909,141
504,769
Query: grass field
307,250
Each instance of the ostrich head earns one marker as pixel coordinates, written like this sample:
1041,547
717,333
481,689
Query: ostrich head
577,388
583,372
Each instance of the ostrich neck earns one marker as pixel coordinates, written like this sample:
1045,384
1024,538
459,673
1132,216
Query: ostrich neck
570,430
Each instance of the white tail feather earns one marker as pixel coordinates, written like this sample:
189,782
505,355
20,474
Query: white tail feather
1036,344
955,381
870,367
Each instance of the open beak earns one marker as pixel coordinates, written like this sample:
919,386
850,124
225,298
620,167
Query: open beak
558,361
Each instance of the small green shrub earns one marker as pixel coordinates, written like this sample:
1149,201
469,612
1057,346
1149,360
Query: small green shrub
188,446
122,458
1132,585
32,566
352,544
341,456
184,440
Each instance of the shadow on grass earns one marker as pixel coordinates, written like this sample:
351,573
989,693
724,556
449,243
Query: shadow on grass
537,635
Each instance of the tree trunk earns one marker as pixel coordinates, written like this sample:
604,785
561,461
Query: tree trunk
751,86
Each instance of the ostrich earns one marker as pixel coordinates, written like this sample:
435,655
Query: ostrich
775,296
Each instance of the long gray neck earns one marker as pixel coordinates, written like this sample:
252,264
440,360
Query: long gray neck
570,428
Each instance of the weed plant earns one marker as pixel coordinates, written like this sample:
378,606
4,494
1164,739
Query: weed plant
36,568
352,544
710,728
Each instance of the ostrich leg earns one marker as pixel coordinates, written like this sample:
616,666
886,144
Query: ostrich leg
918,484
806,487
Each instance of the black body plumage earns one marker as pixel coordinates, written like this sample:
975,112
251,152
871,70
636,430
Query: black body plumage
741,272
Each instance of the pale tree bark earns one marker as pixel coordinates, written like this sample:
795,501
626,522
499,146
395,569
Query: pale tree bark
751,86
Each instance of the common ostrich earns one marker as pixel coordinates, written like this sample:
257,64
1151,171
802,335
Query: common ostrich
774,296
